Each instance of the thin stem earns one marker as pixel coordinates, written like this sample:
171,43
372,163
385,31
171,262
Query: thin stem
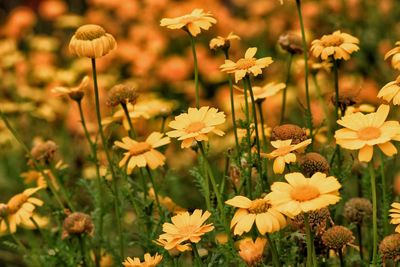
83,251
310,242
254,111
62,189
262,123
323,104
164,119
248,137
92,145
374,214
196,255
305,53
155,187
36,163
232,106
385,204
336,81
196,71
275,256
341,258
360,244
114,177
289,64
132,132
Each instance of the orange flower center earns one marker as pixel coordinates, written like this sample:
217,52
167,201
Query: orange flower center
332,40
89,32
259,206
304,193
245,63
195,127
369,133
16,202
283,150
140,148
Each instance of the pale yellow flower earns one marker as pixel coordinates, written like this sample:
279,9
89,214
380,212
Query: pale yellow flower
395,215
149,261
395,54
391,92
338,44
263,92
223,42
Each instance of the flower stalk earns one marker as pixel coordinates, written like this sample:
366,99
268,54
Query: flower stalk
374,215
283,108
196,69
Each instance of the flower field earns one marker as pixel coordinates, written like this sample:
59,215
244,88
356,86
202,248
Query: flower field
199,133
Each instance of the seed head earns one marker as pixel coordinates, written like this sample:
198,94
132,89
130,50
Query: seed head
358,210
291,42
77,223
122,94
318,220
312,163
44,152
390,247
337,237
289,131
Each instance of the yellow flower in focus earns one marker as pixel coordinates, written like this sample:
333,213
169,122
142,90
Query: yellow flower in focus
252,251
283,153
196,124
338,44
91,41
391,91
395,54
263,92
185,227
193,22
142,154
19,209
75,93
246,65
395,215
363,131
259,211
149,261
223,42
301,194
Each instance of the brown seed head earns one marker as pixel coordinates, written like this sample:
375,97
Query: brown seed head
122,94
358,210
390,247
318,220
291,42
44,152
77,223
313,162
289,131
337,237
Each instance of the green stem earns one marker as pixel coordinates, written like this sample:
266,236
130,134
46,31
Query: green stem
110,163
36,163
254,111
164,119
248,137
310,243
336,81
385,198
305,53
196,255
274,252
374,214
289,64
62,188
360,244
155,187
264,136
323,104
232,106
196,70
82,245
92,145
341,258
132,133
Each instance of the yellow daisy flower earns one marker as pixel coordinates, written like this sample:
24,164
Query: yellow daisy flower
75,93
363,131
338,44
252,251
91,41
196,124
395,54
391,91
263,92
149,261
267,218
19,209
283,153
185,227
193,22
246,65
301,194
395,215
142,154
223,42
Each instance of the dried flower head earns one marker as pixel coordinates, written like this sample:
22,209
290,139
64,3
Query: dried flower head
289,131
44,152
313,162
318,220
358,210
337,237
77,223
223,43
338,45
252,251
75,93
192,23
347,98
291,42
390,247
122,94
91,41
